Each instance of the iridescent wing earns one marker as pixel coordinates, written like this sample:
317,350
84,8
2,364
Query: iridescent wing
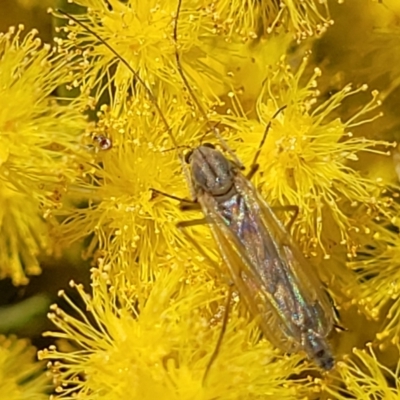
284,268
298,267
248,282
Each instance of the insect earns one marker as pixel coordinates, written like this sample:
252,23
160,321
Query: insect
265,264
269,270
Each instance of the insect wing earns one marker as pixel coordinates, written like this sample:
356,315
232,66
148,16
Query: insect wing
301,274
280,288
248,282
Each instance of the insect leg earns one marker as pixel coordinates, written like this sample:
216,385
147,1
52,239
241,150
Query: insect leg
289,208
336,315
185,204
253,170
221,334
189,206
340,328
214,355
192,222
170,196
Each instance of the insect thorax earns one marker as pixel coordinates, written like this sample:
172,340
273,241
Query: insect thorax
212,172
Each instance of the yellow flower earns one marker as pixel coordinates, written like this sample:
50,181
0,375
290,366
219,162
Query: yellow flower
155,341
365,378
364,47
39,149
310,157
21,376
256,18
377,292
24,235
142,34
211,48
129,221
37,133
149,329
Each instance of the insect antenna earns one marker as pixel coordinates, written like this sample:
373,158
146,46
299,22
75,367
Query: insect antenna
211,127
136,76
264,137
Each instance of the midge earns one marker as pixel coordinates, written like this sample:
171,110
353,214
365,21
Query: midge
269,270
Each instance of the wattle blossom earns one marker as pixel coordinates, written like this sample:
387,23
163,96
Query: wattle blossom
156,340
365,378
22,377
40,150
94,138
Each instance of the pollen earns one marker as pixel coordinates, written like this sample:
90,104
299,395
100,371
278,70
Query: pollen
39,151
129,212
95,135
310,158
365,376
21,375
157,341
249,19
378,291
143,36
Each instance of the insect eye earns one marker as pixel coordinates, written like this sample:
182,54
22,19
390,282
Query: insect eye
188,156
209,145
